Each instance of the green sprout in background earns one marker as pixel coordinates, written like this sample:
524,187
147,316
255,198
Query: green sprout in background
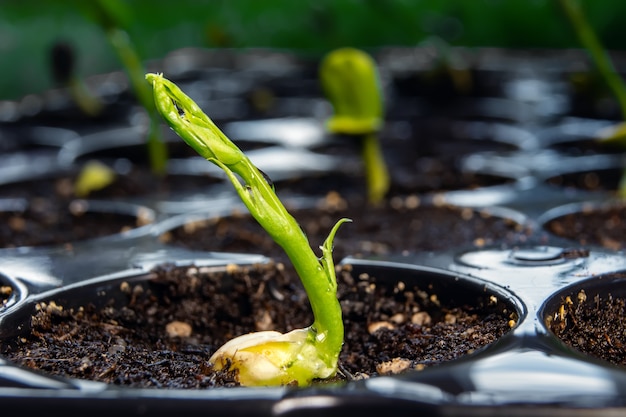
614,135
110,16
63,64
350,81
93,175
269,357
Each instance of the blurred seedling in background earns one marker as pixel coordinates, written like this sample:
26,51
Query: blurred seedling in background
112,16
614,135
63,65
448,66
350,80
267,357
93,175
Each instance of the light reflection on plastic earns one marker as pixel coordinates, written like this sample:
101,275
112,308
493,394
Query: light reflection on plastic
536,372
34,270
287,132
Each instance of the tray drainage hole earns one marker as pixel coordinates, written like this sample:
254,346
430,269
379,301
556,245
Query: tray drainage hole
536,256
544,256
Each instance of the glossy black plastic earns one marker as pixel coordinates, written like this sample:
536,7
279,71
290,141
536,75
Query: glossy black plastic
528,371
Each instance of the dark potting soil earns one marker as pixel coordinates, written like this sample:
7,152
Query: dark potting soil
42,222
593,325
403,225
136,183
167,327
426,175
583,147
596,180
429,160
47,212
602,226
55,193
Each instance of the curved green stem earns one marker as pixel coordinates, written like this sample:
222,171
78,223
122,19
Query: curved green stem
300,355
318,278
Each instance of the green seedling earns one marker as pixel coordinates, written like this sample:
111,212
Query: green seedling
110,16
351,83
265,358
615,135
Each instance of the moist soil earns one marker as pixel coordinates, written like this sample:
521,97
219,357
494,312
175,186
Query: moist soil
138,182
429,160
425,176
44,222
401,226
163,330
596,180
55,194
600,226
391,327
415,168
46,211
594,325
58,219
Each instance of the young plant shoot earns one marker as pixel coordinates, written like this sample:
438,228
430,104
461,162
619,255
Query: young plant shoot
268,357
112,15
613,135
350,81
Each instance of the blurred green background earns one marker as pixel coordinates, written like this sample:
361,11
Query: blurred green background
28,28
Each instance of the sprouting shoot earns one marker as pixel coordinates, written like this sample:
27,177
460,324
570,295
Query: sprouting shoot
268,357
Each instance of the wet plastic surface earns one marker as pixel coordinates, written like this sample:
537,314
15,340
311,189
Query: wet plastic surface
528,370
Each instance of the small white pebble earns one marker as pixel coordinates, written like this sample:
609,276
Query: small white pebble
422,318
394,366
450,318
178,329
377,325
398,318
